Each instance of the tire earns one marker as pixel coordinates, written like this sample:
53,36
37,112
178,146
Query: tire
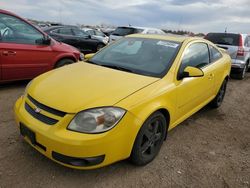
149,139
63,62
217,101
99,46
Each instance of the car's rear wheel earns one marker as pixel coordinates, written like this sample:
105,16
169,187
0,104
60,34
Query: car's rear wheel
217,101
64,62
149,139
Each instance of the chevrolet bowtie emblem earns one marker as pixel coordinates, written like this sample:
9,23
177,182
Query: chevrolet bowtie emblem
37,110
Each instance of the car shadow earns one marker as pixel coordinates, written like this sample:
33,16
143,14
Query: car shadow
14,84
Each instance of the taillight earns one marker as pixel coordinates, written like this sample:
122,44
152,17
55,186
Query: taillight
240,51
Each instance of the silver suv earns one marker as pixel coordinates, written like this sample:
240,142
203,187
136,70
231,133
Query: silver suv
238,46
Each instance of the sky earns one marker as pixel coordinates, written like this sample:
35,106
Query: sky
191,15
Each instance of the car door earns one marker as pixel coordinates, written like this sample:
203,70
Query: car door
20,55
194,92
85,42
65,34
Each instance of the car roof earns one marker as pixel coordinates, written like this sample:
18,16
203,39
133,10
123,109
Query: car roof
137,27
176,38
58,26
227,33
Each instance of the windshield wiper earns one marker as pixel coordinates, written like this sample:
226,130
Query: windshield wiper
117,68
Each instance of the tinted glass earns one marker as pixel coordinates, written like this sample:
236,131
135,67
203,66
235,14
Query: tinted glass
223,38
65,31
99,33
214,54
79,33
196,55
90,32
122,31
14,30
142,56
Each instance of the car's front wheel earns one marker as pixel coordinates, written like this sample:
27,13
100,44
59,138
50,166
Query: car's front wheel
64,62
149,139
217,101
99,46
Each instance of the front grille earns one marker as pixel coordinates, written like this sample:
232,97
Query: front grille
46,108
42,112
39,116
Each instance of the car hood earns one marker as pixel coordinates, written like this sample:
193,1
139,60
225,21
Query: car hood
82,85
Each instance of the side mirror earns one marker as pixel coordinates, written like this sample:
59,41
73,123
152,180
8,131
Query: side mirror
46,40
88,56
191,72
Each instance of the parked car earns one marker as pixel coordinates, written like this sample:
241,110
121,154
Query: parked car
76,37
238,46
107,31
120,32
95,34
27,52
122,101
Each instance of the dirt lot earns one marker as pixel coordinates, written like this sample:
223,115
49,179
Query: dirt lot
210,149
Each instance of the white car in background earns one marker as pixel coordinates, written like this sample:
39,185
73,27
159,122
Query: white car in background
95,34
120,32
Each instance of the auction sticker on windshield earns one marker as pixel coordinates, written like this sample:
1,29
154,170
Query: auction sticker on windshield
168,44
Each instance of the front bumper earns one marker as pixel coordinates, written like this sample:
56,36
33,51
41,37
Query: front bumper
79,150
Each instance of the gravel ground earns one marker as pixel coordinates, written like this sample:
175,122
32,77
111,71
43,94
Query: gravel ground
210,149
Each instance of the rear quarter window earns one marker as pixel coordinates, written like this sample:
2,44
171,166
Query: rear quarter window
214,54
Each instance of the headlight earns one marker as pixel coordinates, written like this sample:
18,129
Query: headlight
105,40
96,120
81,57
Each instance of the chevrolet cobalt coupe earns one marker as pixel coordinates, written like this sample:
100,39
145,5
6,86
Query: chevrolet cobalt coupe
122,101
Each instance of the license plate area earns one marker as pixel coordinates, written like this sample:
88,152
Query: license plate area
26,132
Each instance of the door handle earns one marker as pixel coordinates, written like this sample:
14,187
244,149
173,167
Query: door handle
7,53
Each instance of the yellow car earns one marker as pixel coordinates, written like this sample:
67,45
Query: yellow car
121,102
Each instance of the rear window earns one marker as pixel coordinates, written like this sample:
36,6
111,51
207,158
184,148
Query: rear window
122,31
224,38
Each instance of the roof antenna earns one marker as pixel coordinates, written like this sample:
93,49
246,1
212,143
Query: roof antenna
226,30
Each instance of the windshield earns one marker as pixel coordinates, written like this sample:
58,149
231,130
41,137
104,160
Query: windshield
223,38
122,31
149,57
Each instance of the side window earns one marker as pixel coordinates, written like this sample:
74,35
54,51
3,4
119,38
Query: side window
196,55
214,54
246,41
90,32
15,30
55,31
98,33
65,31
79,33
